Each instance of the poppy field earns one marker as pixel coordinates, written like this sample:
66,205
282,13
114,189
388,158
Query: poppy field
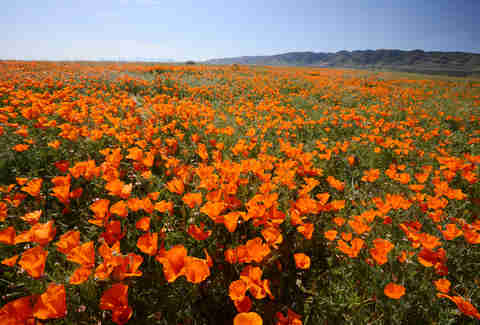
169,194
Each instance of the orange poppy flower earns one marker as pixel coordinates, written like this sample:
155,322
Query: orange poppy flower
120,209
351,251
62,165
7,236
358,226
122,314
346,236
199,233
192,199
196,269
237,290
335,183
442,285
10,261
306,230
243,305
291,319
15,201
250,318
255,250
153,195
176,186
272,236
451,232
83,255
464,306
412,231
128,267
472,236
33,261
230,220
32,217
20,147
76,193
421,178
394,291
16,312
148,243
51,303
113,232
100,209
429,258
307,205
80,275
43,233
302,261
371,175
164,206
323,198
173,262
111,259
351,160
429,242
336,205
3,211
258,288
135,153
33,187
118,188
116,300
62,193
202,151
213,209
87,169
23,237
330,234
21,180
115,296
68,241
380,250
143,224
231,256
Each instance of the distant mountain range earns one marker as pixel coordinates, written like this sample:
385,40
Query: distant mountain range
449,63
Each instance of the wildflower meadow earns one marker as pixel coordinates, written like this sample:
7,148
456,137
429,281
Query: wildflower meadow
246,195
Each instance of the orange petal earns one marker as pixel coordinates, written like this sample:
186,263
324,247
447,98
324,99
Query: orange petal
248,319
33,261
196,269
52,303
84,254
237,290
68,241
394,291
80,275
302,261
10,261
7,236
148,243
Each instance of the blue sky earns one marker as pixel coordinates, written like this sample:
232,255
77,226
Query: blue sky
183,29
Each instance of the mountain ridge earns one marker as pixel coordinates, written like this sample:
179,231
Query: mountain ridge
431,62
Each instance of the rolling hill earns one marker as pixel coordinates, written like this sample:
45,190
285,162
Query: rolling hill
449,63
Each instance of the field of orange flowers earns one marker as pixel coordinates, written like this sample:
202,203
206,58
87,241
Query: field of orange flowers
168,194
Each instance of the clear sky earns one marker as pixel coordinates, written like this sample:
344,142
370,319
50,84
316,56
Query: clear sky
197,30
